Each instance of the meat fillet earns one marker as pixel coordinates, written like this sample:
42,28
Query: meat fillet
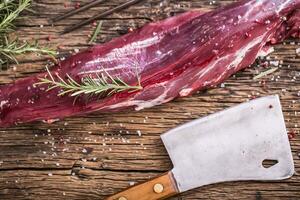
173,58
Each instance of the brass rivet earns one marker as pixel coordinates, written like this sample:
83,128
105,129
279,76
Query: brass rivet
122,198
158,188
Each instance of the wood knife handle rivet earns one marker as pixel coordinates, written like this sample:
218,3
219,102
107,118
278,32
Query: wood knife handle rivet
158,188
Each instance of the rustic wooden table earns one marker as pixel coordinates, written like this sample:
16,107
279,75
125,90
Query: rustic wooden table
97,155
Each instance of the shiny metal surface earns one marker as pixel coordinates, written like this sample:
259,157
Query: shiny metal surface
231,145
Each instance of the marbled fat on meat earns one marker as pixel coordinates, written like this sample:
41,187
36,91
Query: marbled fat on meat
174,57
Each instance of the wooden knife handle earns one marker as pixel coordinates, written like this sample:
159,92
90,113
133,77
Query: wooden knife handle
155,189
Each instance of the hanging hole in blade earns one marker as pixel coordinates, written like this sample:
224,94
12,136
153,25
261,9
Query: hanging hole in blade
267,163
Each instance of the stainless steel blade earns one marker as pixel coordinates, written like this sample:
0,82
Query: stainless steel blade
231,145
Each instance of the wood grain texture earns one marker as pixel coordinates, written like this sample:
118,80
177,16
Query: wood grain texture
158,188
99,155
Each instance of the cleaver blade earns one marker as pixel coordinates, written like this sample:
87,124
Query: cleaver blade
231,146
237,144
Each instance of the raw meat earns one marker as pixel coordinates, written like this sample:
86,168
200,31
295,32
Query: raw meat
174,57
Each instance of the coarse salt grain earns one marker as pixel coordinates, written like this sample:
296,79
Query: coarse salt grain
84,151
139,133
131,183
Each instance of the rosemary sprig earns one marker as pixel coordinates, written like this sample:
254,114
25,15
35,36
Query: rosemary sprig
9,11
10,49
96,32
101,84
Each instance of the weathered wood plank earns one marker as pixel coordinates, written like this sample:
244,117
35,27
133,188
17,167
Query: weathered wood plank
101,154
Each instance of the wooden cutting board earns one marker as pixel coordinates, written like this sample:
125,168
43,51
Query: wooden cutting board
101,154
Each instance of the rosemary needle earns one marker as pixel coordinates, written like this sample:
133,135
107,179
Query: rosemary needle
96,32
99,85
265,73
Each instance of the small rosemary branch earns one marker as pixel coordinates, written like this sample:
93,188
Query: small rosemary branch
102,84
10,49
9,11
96,32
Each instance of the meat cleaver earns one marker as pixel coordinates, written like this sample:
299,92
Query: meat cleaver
232,145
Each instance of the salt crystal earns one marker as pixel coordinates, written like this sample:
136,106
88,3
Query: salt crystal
139,133
131,183
275,63
50,174
84,151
